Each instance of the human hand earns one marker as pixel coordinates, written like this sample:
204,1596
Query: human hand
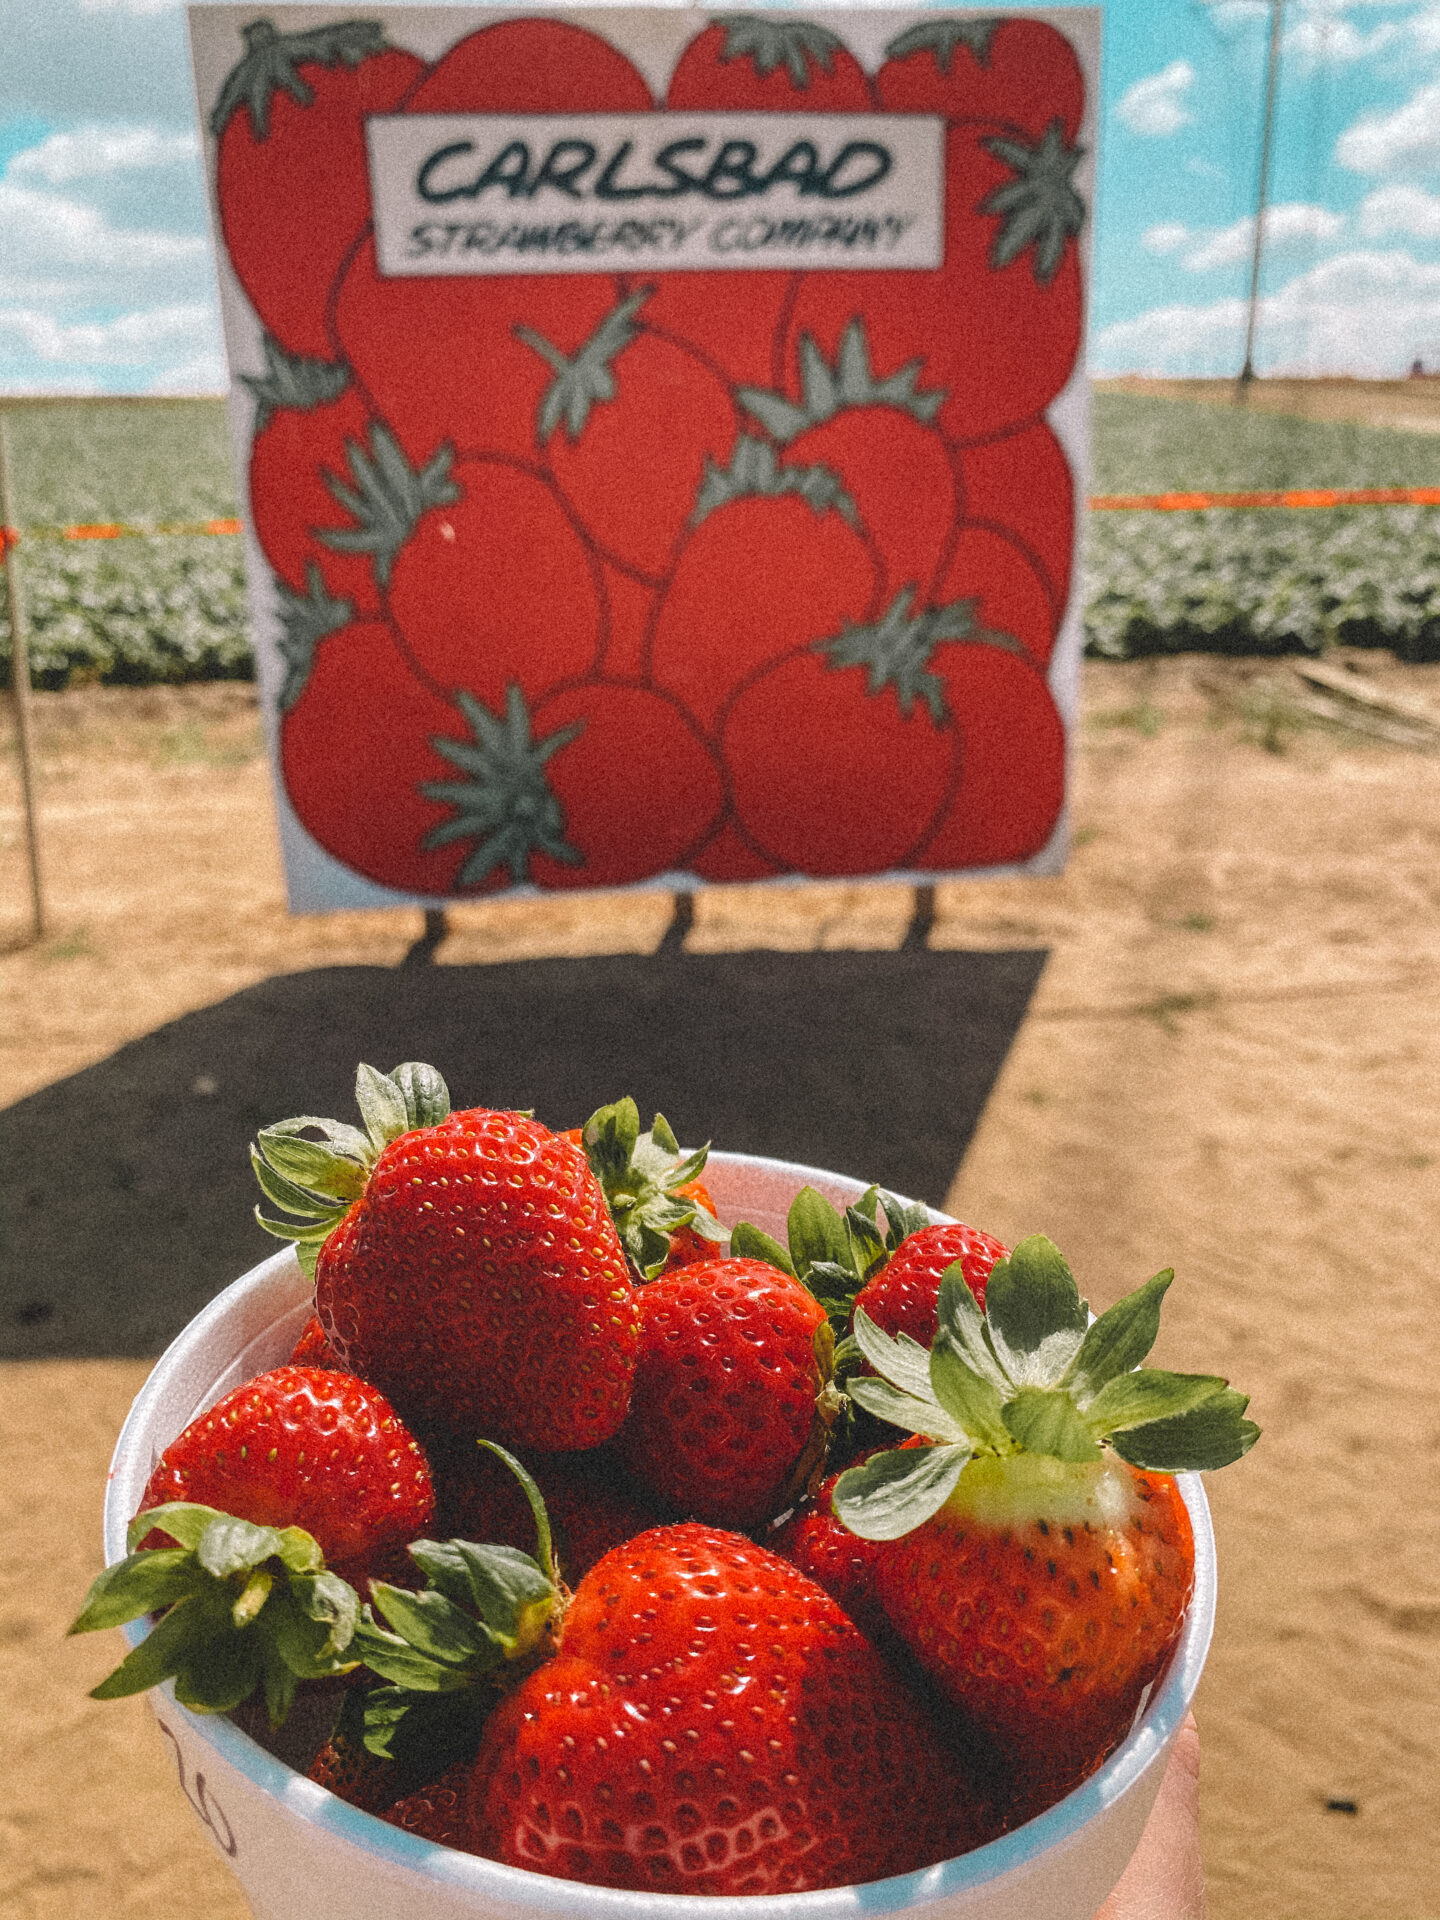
1165,1879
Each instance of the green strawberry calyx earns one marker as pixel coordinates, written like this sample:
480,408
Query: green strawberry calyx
1030,1375
486,1617
507,804
305,620
896,649
1040,206
291,383
584,378
826,391
942,37
271,63
639,1174
833,1255
798,45
244,1608
387,498
754,472
320,1180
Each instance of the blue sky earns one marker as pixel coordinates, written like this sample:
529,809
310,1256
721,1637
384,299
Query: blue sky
106,282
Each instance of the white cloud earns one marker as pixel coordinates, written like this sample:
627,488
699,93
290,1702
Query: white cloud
53,246
136,7
1321,39
1400,209
1405,141
1291,224
201,373
130,340
1362,312
1155,106
1168,237
89,152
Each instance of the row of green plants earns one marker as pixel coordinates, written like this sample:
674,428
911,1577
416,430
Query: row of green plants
172,608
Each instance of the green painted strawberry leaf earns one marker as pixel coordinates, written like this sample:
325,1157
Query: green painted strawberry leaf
583,379
942,37
271,63
293,384
386,497
506,804
755,472
1040,206
827,391
768,43
891,1494
305,620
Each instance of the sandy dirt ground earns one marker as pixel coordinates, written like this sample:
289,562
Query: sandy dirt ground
1409,406
1231,1064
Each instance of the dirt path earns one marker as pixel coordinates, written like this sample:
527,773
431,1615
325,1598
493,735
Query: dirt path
1231,1064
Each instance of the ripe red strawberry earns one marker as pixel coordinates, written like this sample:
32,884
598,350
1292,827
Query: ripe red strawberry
724,1409
631,401
292,178
875,435
998,325
1021,484
1036,1555
307,418
751,64
439,356
1023,72
356,746
607,783
435,1812
297,1447
903,1296
727,857
990,567
494,588
312,1349
775,559
713,1723
1012,762
839,763
464,1261
827,1552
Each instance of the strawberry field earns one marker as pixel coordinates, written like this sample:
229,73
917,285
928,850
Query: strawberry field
171,607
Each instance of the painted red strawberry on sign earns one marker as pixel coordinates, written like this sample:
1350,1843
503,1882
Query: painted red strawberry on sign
659,449
292,180
999,324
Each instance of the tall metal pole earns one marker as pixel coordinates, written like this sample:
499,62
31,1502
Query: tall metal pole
20,690
1262,197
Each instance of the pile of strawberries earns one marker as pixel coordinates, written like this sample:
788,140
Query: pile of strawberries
586,578
592,1545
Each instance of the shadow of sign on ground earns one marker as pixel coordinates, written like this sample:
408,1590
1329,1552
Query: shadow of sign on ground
127,1191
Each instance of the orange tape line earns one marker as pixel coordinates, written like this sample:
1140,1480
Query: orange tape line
1292,497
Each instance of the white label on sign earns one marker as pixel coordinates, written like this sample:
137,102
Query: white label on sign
650,192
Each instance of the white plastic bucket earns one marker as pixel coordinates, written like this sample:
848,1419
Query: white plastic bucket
301,1854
